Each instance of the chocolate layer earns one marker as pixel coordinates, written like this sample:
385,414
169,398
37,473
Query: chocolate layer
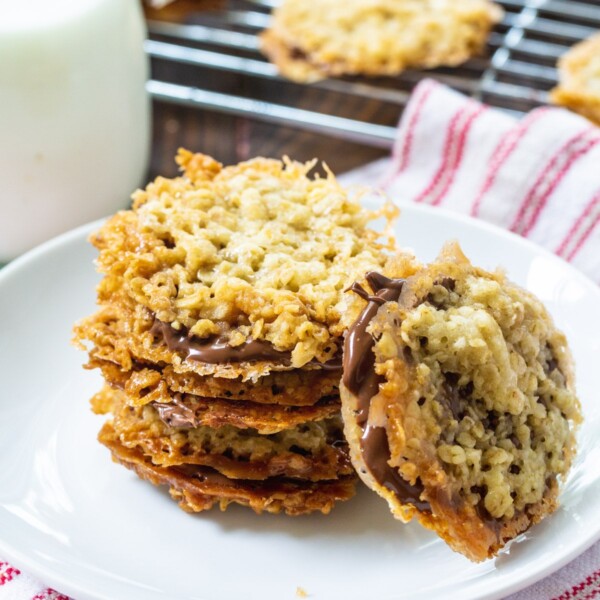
176,414
188,412
376,454
363,382
217,350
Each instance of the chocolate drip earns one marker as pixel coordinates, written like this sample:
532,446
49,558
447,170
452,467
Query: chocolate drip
363,382
359,361
216,349
376,453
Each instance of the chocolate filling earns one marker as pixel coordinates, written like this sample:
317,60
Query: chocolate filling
216,349
363,382
213,477
176,414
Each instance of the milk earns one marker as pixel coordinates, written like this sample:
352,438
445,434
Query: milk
74,115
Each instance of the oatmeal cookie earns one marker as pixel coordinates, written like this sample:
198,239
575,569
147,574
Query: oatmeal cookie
196,410
198,488
458,402
312,450
249,262
146,383
129,336
375,37
579,79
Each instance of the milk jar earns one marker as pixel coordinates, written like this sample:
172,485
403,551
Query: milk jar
74,115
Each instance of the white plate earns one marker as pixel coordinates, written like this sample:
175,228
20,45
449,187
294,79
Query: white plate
91,529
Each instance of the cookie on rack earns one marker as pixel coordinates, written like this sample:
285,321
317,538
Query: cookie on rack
458,401
579,79
375,37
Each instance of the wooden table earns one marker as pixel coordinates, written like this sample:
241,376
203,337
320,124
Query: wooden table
233,139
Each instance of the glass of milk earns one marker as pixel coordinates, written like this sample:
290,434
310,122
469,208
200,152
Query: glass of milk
74,115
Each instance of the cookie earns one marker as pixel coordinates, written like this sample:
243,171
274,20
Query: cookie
145,383
375,37
458,402
195,410
313,450
199,488
579,79
235,271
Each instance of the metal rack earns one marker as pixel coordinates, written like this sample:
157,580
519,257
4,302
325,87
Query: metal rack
215,64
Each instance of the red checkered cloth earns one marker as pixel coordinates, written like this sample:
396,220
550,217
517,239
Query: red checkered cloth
15,585
579,580
538,177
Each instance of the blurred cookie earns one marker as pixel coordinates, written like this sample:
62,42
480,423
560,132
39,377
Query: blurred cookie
459,403
375,37
579,79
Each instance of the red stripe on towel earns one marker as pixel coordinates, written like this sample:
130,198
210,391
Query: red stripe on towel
7,572
582,587
50,594
456,137
581,230
404,154
503,151
550,177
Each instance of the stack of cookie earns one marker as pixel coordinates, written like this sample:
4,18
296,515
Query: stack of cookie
219,333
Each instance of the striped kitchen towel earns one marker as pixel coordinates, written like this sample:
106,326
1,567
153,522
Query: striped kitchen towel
538,176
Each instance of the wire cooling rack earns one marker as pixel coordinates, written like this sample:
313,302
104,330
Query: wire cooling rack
214,64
